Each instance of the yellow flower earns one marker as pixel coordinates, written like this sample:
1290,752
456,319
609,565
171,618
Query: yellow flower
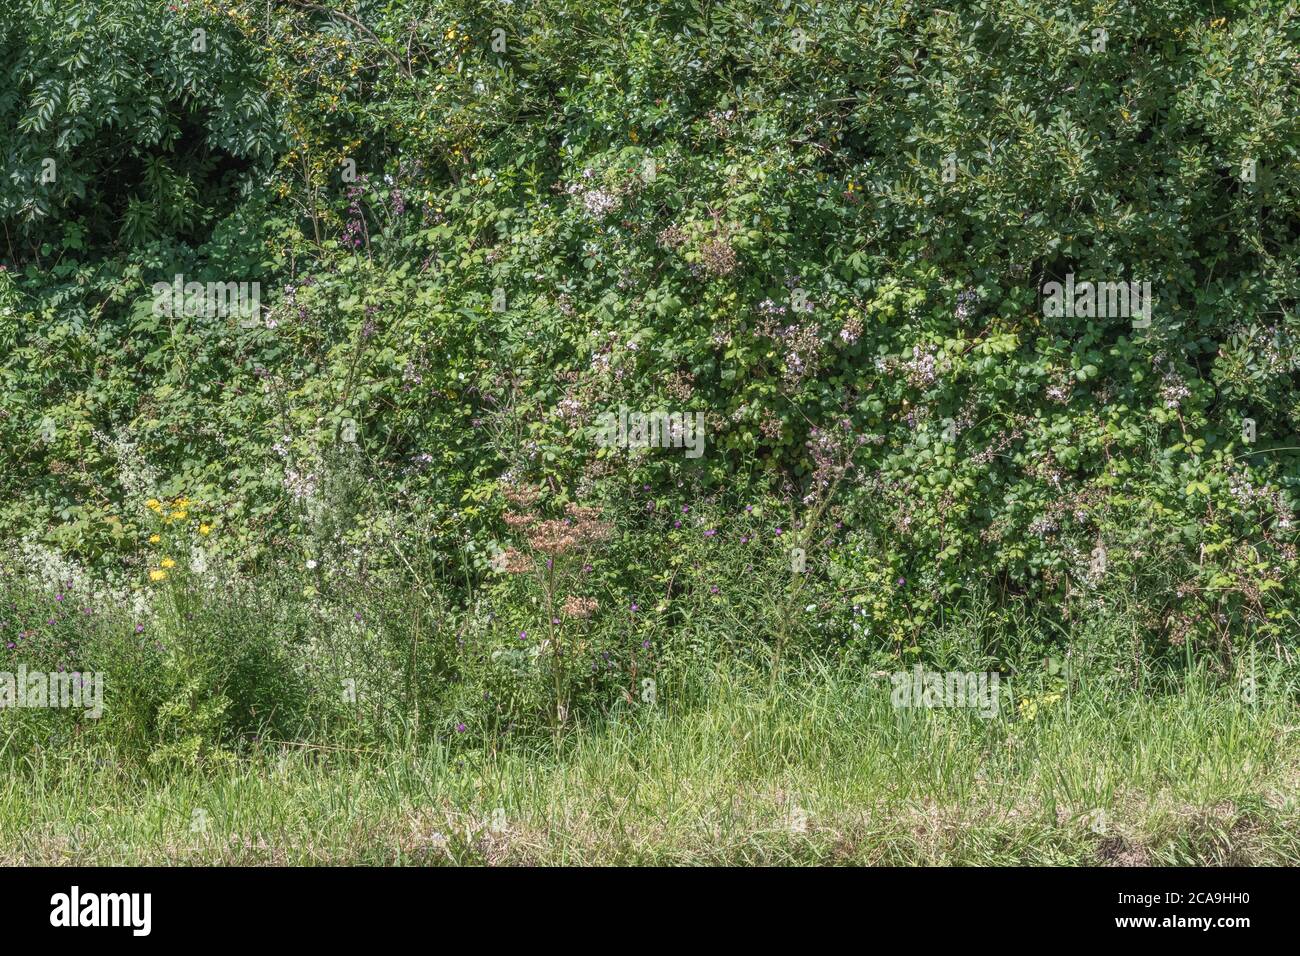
153,504
155,538
205,529
156,575
167,563
180,514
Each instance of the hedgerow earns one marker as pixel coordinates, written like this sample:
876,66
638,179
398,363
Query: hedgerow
830,228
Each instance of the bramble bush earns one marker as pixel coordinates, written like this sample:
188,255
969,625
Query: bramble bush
480,226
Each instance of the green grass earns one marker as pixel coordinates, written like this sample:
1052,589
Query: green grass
823,771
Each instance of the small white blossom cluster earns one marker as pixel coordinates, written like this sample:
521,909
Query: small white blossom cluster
570,408
1247,494
135,475
965,301
1174,392
597,202
923,369
1043,525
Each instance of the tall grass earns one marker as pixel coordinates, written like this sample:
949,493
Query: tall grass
824,770
367,718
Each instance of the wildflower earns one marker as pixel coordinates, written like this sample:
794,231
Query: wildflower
157,575
155,538
167,563
580,607
205,529
460,728
512,561
311,564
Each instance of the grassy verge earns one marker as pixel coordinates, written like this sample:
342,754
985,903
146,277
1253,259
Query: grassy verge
823,771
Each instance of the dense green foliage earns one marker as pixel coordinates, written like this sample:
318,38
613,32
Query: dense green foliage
827,227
